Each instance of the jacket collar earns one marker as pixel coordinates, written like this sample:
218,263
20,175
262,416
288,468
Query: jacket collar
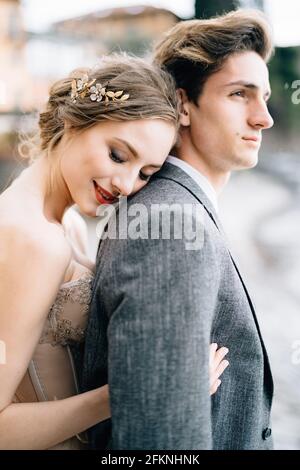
176,174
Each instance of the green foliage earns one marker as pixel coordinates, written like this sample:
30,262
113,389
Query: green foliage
284,71
209,8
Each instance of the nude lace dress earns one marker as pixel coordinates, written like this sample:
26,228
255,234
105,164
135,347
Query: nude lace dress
51,373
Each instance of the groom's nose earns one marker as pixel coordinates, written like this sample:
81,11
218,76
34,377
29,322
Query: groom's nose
260,116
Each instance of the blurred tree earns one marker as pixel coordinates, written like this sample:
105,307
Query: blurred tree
284,76
209,8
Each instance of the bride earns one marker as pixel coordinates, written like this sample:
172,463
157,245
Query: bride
84,156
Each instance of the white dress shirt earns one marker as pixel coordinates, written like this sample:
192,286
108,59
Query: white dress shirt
198,177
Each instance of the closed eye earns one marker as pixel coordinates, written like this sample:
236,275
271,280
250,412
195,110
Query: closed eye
144,177
115,157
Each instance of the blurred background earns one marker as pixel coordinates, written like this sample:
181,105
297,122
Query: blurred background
41,41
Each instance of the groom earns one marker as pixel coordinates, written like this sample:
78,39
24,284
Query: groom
158,304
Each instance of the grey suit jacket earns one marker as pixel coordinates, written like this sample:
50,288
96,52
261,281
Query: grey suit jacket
156,307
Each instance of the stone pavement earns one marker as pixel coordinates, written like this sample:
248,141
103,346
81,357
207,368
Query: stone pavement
262,220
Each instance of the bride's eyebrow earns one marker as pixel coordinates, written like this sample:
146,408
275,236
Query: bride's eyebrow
131,149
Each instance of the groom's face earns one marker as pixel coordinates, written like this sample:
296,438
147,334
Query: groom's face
226,125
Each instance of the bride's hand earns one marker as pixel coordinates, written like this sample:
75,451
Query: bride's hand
217,365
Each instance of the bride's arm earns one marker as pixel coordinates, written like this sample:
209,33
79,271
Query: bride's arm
45,424
32,267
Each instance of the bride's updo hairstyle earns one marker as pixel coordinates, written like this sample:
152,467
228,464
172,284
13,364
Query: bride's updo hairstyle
119,88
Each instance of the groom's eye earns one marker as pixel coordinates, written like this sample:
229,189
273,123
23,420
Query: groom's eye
240,93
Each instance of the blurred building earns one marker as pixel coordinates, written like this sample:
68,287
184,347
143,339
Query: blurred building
12,58
30,62
132,28
80,41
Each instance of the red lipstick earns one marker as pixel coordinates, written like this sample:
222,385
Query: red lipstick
103,196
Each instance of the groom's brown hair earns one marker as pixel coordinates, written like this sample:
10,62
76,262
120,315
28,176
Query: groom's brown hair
193,50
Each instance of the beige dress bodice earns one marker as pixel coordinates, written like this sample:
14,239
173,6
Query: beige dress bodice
51,372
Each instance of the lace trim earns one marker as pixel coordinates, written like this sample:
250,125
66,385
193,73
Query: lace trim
60,330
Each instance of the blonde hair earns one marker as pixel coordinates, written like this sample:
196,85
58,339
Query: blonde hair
193,50
151,95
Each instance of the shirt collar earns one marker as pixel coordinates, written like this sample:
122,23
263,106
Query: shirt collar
198,177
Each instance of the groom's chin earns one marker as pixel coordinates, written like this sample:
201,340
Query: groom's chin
247,162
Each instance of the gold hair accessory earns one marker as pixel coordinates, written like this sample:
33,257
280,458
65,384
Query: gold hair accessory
83,86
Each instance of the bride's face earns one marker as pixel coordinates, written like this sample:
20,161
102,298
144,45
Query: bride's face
113,158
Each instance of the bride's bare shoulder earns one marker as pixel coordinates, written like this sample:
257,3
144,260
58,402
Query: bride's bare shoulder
28,236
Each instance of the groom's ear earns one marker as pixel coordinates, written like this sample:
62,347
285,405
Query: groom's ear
184,107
